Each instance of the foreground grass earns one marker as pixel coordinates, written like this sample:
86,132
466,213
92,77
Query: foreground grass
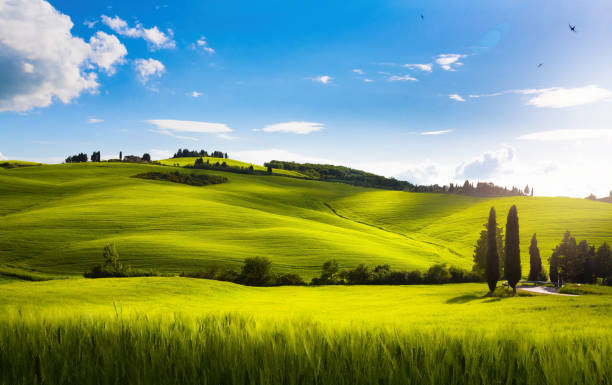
237,350
185,331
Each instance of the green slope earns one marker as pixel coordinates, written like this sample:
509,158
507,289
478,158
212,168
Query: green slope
230,162
56,219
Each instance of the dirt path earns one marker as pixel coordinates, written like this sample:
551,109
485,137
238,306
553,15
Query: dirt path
544,290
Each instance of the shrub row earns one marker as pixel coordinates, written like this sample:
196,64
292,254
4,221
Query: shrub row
177,177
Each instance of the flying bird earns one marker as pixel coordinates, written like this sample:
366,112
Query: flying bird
572,28
422,17
540,65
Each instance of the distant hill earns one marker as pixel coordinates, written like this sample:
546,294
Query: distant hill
56,219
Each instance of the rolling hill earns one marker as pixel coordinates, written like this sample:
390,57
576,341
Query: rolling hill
56,219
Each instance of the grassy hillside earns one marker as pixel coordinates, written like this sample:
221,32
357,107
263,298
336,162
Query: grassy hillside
189,161
56,219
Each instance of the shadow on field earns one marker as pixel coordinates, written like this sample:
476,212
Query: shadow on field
464,298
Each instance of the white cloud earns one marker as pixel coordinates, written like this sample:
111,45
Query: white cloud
368,80
568,97
107,51
2,157
426,173
171,127
40,60
146,68
157,154
94,120
456,97
358,71
558,97
294,127
203,45
402,78
448,61
441,132
195,94
324,79
155,38
567,135
485,166
422,67
90,23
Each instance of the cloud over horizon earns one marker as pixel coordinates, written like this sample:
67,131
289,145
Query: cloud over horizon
486,165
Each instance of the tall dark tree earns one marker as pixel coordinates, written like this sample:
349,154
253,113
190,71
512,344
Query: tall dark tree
120,155
535,262
512,267
146,157
526,191
602,266
492,257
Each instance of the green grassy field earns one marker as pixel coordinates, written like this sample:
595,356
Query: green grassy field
230,162
56,219
180,330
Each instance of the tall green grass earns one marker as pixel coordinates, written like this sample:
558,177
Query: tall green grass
232,349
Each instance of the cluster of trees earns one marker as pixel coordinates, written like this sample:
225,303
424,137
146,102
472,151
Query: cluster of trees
81,157
177,177
206,165
580,262
491,261
607,199
486,189
111,267
365,179
185,153
256,271
96,157
383,275
348,175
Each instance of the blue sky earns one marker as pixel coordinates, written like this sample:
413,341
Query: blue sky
456,94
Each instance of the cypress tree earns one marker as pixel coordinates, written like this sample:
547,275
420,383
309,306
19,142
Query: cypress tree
513,252
535,262
492,257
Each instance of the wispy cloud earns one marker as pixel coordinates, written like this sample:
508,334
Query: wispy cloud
441,132
558,97
402,78
147,68
202,44
171,127
301,128
567,135
2,157
324,79
155,38
195,94
358,71
422,67
448,62
94,120
456,97
368,80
